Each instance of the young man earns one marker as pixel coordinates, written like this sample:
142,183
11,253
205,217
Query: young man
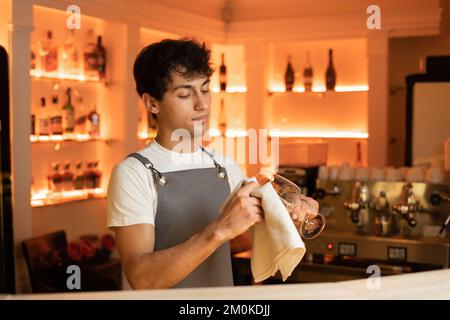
163,205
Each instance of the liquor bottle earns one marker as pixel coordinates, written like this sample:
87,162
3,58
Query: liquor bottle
93,123
289,76
308,74
90,60
33,56
71,54
330,76
81,117
359,162
69,113
222,119
92,175
56,127
100,54
67,177
49,54
223,75
55,178
44,123
33,124
79,180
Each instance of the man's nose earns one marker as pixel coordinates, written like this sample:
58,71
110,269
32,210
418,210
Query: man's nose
201,102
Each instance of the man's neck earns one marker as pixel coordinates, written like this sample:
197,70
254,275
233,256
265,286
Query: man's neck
186,145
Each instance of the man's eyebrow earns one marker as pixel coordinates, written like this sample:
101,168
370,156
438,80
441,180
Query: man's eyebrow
188,86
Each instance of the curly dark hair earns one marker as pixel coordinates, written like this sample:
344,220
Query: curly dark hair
155,62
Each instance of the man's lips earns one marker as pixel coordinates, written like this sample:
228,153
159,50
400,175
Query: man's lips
201,118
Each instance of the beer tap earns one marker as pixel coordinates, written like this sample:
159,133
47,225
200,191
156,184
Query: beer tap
407,205
435,199
359,200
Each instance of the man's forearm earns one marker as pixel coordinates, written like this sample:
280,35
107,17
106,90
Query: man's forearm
166,268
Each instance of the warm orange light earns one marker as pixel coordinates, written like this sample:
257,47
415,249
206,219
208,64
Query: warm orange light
63,137
146,135
45,196
233,89
318,134
61,76
321,88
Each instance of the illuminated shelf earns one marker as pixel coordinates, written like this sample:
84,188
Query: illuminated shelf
46,198
237,89
319,134
66,138
319,89
62,76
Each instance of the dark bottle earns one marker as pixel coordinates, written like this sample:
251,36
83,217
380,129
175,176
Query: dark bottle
223,75
100,54
289,76
92,175
55,178
330,76
308,74
56,126
44,122
79,180
67,177
69,113
222,119
33,125
93,123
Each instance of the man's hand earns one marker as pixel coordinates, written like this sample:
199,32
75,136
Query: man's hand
307,208
241,212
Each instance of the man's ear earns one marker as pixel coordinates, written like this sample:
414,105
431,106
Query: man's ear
150,103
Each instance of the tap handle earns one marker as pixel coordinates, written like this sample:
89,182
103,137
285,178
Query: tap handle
355,217
412,222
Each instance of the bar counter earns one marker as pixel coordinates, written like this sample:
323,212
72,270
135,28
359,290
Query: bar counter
420,285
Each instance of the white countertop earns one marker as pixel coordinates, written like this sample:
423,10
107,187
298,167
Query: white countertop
420,285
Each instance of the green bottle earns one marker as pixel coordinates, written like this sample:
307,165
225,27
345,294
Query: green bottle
69,113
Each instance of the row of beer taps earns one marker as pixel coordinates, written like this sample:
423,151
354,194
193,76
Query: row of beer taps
405,207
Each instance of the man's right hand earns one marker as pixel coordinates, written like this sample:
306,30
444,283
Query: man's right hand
241,212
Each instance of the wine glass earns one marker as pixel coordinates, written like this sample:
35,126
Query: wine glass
291,196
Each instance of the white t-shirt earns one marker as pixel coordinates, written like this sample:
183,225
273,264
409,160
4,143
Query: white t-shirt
132,197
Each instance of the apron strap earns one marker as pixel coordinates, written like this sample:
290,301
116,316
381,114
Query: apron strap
222,172
159,178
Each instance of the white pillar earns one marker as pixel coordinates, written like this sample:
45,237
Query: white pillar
20,27
256,113
377,51
131,127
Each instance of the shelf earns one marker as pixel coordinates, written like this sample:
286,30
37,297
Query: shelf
66,138
320,90
46,198
319,134
230,90
39,75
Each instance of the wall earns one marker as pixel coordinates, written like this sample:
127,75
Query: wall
404,59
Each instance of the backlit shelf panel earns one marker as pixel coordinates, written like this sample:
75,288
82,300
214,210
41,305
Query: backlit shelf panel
320,89
62,76
43,198
76,137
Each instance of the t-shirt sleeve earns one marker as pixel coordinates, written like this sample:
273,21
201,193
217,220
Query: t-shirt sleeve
130,197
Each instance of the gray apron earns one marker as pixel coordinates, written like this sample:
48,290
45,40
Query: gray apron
189,200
